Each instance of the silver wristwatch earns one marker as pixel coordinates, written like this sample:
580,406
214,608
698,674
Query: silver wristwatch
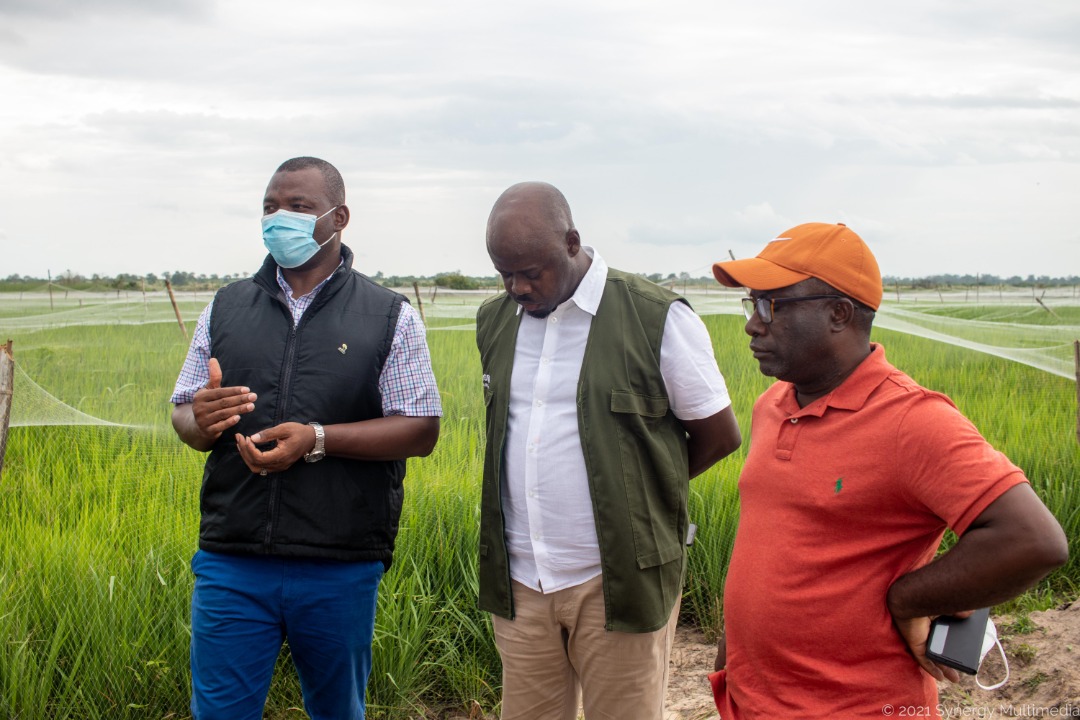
319,451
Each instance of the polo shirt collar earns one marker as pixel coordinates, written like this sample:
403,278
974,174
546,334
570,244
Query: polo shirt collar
853,393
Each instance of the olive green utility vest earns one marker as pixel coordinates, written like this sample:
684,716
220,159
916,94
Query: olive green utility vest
634,447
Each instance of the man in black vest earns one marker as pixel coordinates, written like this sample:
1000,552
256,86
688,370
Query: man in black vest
309,384
603,400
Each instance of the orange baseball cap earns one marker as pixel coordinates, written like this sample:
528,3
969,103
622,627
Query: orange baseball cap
831,253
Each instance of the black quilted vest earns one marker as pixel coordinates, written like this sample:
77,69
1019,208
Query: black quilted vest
326,369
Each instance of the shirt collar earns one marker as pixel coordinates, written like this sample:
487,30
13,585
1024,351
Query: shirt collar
284,284
853,393
591,288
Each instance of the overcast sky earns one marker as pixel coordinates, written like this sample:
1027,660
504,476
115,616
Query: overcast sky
138,135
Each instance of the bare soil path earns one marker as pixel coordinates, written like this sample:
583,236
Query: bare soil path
1044,661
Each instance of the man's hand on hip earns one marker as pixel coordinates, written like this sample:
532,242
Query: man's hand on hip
915,632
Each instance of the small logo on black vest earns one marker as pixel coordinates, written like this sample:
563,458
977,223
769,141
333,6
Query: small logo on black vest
343,348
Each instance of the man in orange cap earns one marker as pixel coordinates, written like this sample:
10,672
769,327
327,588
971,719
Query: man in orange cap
853,474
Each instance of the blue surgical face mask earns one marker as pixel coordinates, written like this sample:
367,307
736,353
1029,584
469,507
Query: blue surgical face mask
290,236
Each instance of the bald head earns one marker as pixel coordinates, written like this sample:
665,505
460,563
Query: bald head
537,204
534,246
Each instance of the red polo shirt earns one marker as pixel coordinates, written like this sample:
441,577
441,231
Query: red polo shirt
838,500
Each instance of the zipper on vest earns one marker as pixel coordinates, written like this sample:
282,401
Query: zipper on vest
286,385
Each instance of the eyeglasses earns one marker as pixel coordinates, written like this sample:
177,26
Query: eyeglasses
766,306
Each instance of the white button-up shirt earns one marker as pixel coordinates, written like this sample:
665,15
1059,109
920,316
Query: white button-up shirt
550,529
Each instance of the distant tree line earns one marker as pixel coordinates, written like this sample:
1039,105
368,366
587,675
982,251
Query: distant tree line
932,282
456,280
122,282
180,279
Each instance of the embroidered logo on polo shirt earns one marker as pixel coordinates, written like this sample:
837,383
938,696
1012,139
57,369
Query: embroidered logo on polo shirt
343,349
839,484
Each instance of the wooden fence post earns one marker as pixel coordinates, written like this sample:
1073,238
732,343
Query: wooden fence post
7,387
1044,306
172,298
419,302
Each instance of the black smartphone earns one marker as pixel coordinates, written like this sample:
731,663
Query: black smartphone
957,642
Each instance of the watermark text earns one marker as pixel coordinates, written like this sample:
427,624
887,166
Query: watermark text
962,711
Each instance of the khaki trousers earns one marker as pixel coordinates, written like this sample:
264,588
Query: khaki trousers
556,656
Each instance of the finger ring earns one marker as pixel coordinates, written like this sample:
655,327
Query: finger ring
263,472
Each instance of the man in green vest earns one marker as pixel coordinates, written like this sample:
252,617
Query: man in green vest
603,400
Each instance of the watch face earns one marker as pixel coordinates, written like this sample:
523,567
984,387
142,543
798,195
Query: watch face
314,456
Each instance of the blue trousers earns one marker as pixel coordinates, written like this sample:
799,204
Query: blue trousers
244,607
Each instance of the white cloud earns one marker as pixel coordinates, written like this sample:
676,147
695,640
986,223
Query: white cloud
144,133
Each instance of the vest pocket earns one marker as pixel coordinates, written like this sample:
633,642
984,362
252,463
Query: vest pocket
655,500
644,405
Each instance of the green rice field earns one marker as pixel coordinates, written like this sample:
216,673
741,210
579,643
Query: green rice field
99,499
